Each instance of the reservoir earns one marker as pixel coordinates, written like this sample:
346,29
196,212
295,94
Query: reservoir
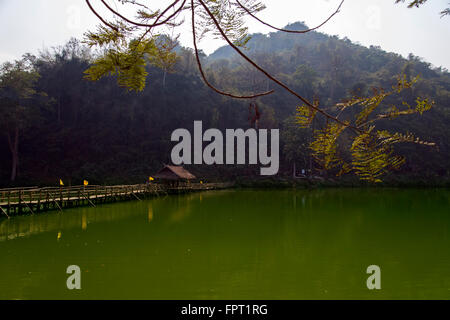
236,244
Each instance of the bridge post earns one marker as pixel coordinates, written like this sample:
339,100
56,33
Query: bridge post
20,202
47,202
39,202
61,196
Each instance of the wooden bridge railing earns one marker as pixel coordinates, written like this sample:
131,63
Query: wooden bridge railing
33,199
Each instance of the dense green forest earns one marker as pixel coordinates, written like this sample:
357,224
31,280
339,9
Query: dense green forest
75,129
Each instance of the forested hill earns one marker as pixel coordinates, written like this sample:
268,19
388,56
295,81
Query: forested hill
103,133
329,66
332,69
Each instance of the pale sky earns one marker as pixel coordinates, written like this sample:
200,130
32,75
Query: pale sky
31,25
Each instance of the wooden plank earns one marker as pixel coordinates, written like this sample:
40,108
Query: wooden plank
9,202
57,204
16,199
89,200
17,189
32,212
135,195
3,210
55,201
20,202
39,202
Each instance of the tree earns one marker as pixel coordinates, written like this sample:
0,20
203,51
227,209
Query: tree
295,144
418,3
17,92
131,44
372,150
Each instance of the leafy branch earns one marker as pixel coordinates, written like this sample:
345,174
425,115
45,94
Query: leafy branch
130,44
418,3
372,151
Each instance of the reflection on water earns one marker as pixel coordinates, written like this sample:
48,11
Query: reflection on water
242,244
25,226
150,212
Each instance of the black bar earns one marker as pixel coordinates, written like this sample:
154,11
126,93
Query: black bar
231,309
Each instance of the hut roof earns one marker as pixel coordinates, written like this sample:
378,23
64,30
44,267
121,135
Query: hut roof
174,173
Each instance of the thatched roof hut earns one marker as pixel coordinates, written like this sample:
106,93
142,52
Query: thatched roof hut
174,173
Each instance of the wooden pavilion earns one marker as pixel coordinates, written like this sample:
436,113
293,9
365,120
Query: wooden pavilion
173,175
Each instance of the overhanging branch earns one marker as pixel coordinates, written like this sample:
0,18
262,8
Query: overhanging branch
203,73
306,102
139,24
285,30
100,17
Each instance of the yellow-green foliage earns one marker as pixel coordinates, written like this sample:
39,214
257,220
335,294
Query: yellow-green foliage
128,66
104,36
305,115
370,159
369,105
130,45
229,16
422,105
126,58
371,151
386,137
324,146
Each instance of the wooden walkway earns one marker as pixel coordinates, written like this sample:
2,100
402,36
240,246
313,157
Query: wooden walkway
33,200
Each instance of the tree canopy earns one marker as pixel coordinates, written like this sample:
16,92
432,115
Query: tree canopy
19,102
93,130
418,3
131,43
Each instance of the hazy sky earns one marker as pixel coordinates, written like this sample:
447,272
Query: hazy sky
30,25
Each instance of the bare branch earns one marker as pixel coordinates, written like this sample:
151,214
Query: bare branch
158,18
306,102
203,73
167,9
101,19
285,30
146,24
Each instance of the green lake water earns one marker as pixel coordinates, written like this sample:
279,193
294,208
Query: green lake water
236,244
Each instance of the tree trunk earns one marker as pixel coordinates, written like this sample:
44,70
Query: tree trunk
59,111
311,138
14,148
164,79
